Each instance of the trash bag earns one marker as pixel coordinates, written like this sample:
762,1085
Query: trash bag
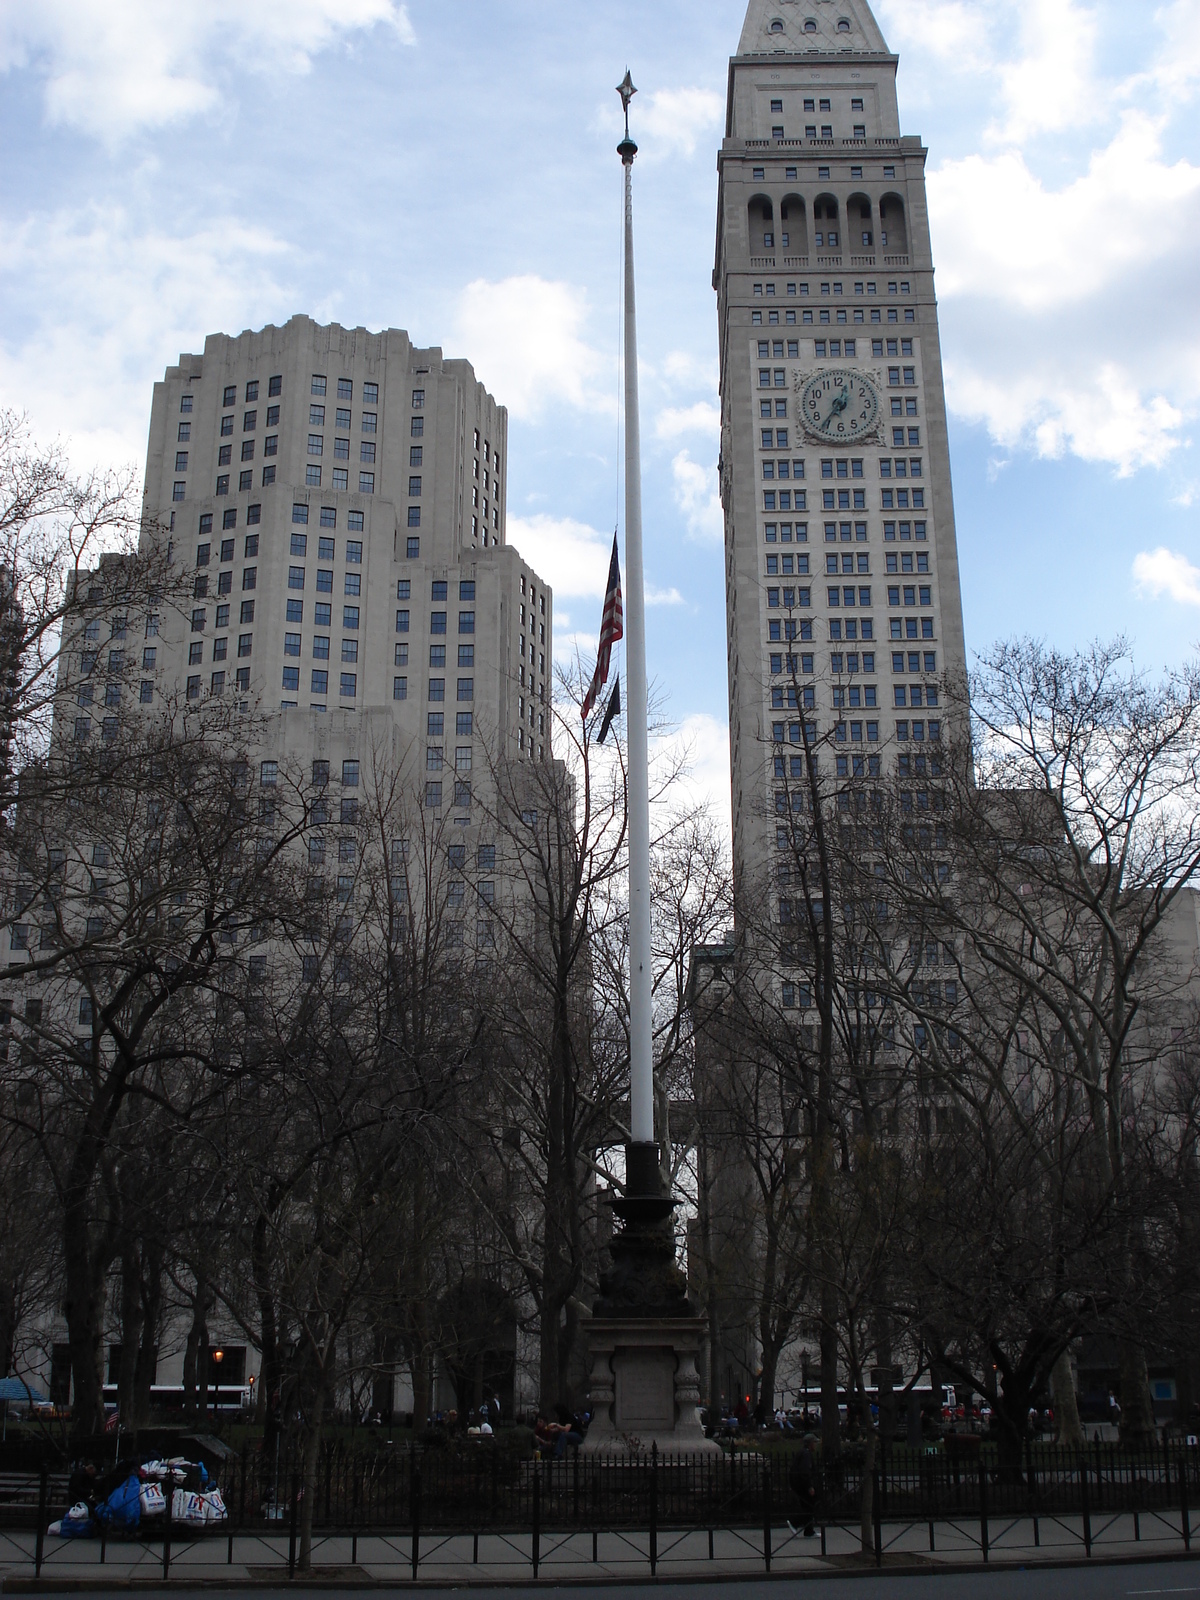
154,1501
77,1524
214,1506
123,1509
188,1507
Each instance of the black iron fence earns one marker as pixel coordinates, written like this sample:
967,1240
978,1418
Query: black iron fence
479,1488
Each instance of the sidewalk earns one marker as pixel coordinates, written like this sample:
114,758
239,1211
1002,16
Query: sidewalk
571,1558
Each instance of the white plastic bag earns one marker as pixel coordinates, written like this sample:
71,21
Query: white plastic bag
154,1501
187,1507
214,1506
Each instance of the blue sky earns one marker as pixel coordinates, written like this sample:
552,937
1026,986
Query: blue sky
217,164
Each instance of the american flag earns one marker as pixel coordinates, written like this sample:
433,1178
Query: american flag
611,629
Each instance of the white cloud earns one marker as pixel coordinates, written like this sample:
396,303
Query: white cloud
102,307
1049,84
1163,571
113,69
951,30
703,417
663,597
697,497
998,230
571,556
525,338
1176,70
672,120
703,744
1097,411
1055,344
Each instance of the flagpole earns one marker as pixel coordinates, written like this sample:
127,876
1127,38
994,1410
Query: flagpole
641,1069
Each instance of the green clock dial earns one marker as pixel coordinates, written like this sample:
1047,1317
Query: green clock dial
839,405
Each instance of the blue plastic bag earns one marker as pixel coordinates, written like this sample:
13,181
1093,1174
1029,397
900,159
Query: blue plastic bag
122,1510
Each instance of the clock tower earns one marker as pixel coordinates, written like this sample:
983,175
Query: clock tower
842,593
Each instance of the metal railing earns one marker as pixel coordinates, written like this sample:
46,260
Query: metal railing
423,1494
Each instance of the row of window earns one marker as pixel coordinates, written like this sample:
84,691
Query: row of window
345,390
767,290
437,621
853,732
340,479
773,348
855,696
274,387
808,318
900,406
341,449
776,377
781,533
843,500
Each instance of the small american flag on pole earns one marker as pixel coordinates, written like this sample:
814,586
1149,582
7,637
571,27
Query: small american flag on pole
611,629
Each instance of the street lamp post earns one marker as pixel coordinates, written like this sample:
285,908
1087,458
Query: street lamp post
218,1356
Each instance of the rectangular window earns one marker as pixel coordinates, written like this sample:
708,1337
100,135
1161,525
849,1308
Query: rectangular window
366,485
466,622
412,547
291,678
366,451
318,384
437,622
466,688
249,578
341,478
402,622
245,644
324,581
349,616
321,647
370,394
399,688
437,689
353,584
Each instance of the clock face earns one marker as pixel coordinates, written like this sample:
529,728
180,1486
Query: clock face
840,405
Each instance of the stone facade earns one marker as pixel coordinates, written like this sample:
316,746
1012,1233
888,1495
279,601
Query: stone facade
841,564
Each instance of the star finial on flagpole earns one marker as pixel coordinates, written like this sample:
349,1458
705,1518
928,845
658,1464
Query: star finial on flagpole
626,90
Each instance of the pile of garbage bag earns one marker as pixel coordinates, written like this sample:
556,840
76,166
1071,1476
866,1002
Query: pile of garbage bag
118,1501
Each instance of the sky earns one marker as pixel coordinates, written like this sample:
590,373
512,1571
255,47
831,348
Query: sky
215,165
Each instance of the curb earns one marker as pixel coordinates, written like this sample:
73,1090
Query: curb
899,1567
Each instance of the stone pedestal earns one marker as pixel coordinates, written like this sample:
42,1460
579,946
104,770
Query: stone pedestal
644,1339
645,1386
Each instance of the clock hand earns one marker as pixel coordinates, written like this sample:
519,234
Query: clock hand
839,405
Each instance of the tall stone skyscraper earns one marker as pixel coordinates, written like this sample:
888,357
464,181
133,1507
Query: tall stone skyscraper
842,590
339,497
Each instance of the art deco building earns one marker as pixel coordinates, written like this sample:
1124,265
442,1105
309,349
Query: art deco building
340,497
843,606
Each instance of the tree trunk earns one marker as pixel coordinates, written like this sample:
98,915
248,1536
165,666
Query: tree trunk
1137,1409
83,1306
8,1326
867,1506
269,1373
131,1331
310,1463
1066,1406
831,1432
147,1359
195,1356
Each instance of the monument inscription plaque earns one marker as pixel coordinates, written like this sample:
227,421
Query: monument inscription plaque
645,1388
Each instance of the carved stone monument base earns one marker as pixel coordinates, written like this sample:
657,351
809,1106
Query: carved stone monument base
645,1386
